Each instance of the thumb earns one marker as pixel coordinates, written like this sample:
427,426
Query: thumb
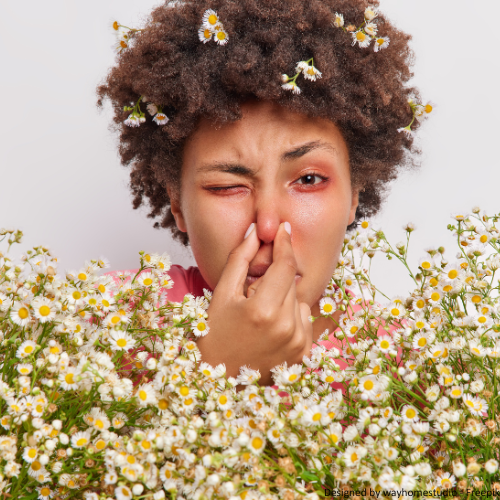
305,313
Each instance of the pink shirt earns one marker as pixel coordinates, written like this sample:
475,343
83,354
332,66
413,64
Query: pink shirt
185,281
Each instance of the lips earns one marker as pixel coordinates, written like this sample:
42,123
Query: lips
258,270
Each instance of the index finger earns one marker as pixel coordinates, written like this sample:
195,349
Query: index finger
276,282
235,271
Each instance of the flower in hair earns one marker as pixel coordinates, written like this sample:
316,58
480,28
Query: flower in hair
123,35
365,32
212,28
309,72
420,111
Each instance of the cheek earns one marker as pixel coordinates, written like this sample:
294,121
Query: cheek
214,228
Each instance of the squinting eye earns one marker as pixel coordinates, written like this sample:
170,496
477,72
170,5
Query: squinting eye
310,179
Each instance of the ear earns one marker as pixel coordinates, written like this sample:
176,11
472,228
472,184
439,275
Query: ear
354,204
175,207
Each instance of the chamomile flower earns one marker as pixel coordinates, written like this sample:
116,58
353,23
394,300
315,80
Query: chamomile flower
132,120
200,327
43,309
338,21
370,13
409,413
205,34
353,455
371,29
44,493
210,18
385,343
220,35
27,348
80,439
456,391
68,379
30,453
160,118
146,394
311,73
327,306
121,341
475,404
381,42
361,38
291,375
369,385
123,493
291,85
20,314
256,443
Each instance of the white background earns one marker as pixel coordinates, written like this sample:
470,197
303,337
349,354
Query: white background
61,181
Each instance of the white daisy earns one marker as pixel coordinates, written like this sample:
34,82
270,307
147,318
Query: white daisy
370,13
409,413
160,118
68,379
381,42
27,348
146,394
121,341
361,38
44,309
256,443
20,314
291,375
338,22
200,327
371,29
327,306
30,453
385,343
291,86
123,493
210,18
132,120
80,439
311,73
221,36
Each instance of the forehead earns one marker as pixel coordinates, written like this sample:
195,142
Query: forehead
264,127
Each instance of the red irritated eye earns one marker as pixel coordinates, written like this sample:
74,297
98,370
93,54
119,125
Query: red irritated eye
311,179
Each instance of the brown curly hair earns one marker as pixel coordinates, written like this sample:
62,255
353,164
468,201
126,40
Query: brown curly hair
362,91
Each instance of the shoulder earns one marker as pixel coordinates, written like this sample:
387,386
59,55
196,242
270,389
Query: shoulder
185,281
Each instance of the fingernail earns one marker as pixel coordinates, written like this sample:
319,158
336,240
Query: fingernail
288,227
249,230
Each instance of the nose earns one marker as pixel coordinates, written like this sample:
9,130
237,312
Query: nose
269,213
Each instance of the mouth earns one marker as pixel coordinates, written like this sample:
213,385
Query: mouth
257,271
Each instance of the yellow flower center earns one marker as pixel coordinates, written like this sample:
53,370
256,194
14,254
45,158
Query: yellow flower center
428,108
23,313
354,457
435,296
327,308
410,413
422,341
368,385
316,417
163,404
32,453
82,276
453,274
223,400
115,319
68,378
81,442
184,390
292,377
257,443
212,19
148,281
384,344
201,327
221,35
121,342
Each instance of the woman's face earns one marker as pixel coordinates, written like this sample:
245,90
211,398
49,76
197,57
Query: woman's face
271,166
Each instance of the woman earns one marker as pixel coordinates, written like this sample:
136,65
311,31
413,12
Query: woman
260,172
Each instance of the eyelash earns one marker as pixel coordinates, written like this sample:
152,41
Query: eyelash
314,174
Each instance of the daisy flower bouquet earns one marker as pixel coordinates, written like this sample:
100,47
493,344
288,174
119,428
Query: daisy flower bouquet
104,395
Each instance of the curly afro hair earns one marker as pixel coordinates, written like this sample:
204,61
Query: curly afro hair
365,93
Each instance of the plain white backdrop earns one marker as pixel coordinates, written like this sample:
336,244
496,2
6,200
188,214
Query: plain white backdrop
61,181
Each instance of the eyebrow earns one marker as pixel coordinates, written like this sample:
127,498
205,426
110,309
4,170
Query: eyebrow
292,154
